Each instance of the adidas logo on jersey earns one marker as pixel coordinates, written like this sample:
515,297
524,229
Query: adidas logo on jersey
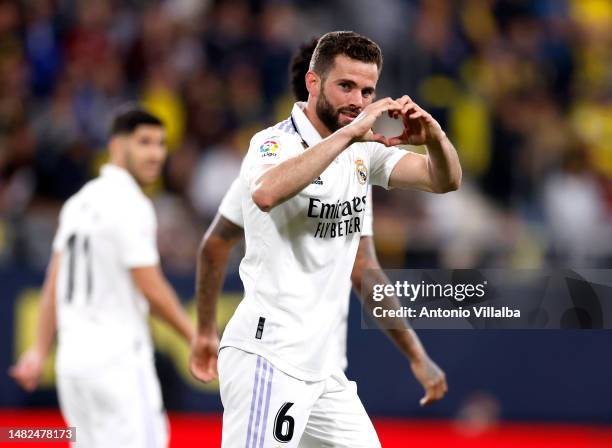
317,181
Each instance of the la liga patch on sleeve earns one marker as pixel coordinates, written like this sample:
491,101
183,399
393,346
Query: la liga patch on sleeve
270,147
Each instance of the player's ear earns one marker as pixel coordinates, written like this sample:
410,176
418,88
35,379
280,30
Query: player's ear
313,83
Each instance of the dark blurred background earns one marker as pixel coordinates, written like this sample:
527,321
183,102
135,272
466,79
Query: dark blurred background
523,88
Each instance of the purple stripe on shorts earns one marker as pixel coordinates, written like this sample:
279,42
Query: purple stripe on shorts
147,414
265,418
253,401
259,401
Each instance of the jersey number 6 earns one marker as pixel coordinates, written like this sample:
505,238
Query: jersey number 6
284,424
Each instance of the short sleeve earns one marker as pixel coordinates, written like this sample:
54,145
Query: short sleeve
137,234
269,147
382,161
368,216
231,205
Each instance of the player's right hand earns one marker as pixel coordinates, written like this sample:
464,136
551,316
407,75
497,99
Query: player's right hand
203,360
28,369
431,377
360,129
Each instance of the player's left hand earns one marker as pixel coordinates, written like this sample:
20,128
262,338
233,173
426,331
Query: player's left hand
420,128
432,379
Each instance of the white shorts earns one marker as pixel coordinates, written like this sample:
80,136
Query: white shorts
266,408
120,406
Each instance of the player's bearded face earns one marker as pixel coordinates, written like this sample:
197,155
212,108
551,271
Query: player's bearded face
145,153
345,91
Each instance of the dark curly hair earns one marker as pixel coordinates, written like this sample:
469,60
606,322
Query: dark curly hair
300,64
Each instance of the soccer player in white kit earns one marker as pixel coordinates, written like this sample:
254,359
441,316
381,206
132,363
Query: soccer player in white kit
306,181
227,230
103,277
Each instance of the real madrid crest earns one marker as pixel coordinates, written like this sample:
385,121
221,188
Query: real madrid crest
362,171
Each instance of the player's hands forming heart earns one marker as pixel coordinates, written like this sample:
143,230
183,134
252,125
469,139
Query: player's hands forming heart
420,128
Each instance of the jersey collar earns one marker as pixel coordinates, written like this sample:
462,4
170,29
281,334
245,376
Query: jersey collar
119,174
305,129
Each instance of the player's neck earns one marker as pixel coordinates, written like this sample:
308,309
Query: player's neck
311,113
118,163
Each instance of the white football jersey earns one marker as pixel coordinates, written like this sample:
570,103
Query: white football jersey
105,229
299,256
231,209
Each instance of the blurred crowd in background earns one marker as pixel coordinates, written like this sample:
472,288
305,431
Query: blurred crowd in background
523,89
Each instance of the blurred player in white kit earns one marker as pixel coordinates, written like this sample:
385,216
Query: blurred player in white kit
103,278
280,364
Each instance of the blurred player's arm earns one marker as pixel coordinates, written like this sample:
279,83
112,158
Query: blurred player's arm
28,369
215,248
163,299
426,371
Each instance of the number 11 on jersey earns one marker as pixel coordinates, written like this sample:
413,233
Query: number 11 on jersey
78,249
